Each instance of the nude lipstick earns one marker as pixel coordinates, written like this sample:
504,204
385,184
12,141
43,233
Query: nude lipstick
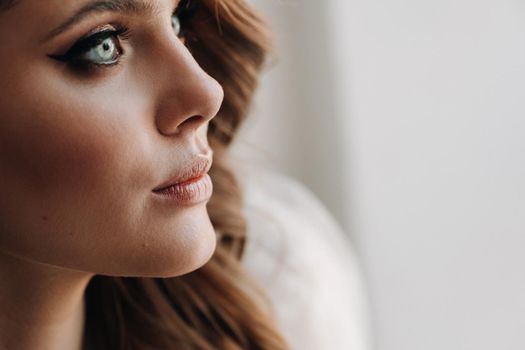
191,186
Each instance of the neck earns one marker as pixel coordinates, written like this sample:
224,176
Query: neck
41,306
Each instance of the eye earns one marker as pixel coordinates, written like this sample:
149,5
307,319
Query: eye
176,25
101,49
107,52
181,17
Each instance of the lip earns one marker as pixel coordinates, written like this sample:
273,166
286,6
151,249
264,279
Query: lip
194,169
188,193
190,185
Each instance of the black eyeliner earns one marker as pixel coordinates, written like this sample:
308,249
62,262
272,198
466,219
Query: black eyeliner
84,45
185,12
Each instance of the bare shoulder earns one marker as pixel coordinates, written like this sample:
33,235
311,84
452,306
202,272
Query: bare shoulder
305,260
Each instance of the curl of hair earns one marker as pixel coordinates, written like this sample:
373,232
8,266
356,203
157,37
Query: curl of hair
219,306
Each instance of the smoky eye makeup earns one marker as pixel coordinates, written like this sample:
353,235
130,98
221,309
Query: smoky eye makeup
103,47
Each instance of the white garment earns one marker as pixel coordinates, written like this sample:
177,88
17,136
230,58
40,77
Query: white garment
301,256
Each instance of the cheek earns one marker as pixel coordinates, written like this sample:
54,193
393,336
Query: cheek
77,166
72,163
52,146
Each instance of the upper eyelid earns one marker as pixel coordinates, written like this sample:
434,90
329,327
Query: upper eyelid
124,9
155,11
100,32
175,10
100,7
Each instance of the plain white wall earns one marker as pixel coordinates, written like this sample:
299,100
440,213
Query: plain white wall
293,124
407,118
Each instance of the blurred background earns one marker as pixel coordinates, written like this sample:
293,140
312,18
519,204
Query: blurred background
407,119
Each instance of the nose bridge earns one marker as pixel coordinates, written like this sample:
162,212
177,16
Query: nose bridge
189,96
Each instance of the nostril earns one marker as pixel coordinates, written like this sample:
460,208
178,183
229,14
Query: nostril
188,124
191,123
194,119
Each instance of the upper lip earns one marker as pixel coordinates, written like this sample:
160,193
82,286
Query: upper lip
195,168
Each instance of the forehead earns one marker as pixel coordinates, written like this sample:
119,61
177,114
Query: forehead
61,7
48,16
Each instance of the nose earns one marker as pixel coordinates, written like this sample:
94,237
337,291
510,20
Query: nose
190,97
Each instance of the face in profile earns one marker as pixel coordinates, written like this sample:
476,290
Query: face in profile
103,149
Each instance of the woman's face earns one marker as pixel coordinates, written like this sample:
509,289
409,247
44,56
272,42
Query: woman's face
94,115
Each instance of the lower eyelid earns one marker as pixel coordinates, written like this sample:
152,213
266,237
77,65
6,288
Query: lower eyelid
90,69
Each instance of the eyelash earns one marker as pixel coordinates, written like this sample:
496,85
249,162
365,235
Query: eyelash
120,33
81,47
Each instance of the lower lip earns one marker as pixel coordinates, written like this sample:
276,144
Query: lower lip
191,192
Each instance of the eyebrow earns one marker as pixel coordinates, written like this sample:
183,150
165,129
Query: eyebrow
133,7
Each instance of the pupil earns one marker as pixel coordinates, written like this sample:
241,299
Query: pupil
106,46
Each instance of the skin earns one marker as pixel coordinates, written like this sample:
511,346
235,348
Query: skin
79,156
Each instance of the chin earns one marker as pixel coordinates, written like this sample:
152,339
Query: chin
201,252
177,254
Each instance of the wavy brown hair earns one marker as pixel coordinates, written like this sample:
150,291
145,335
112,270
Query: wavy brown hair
219,306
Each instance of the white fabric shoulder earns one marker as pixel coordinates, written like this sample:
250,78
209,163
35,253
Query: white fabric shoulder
298,252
